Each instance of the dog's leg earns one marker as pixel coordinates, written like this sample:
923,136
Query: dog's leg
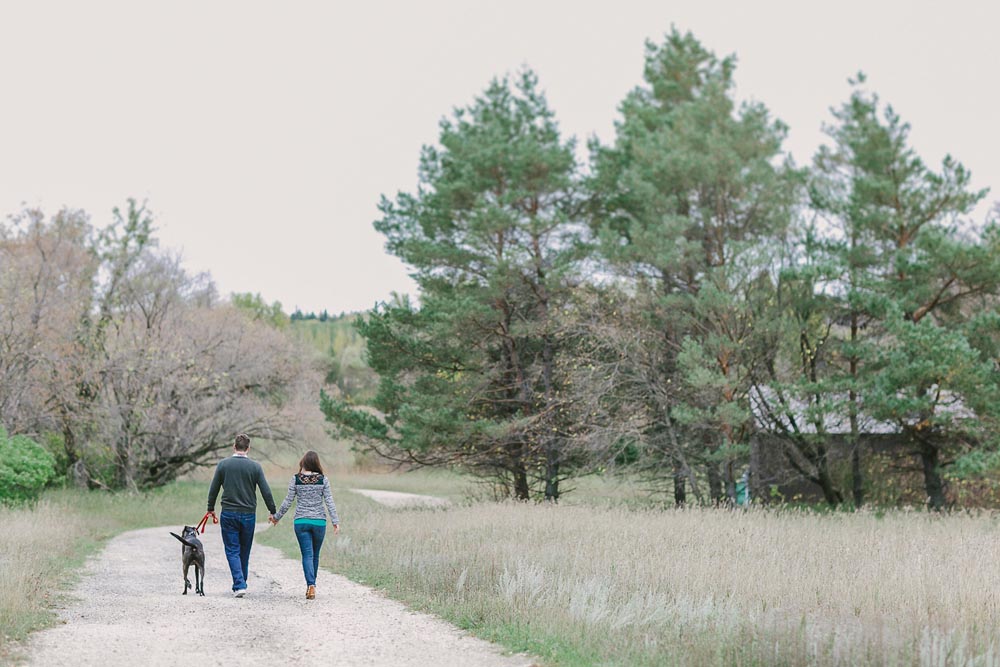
187,583
199,578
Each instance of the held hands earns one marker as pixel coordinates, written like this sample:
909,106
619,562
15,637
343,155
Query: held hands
274,522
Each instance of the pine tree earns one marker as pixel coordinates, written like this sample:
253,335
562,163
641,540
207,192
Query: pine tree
471,377
691,201
916,284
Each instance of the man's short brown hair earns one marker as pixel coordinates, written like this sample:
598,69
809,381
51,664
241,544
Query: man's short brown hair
242,442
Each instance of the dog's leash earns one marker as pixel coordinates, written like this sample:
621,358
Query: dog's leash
204,521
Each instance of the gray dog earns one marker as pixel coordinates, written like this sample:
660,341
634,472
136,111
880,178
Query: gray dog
192,553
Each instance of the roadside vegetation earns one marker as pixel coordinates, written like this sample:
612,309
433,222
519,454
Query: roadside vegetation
44,545
607,577
581,585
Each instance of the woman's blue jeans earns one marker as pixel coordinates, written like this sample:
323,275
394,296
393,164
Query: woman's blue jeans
310,539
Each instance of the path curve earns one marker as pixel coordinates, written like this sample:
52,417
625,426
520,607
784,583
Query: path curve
128,610
400,499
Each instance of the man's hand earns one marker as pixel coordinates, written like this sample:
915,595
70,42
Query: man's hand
336,529
272,520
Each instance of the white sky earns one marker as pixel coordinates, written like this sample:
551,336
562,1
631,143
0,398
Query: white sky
263,133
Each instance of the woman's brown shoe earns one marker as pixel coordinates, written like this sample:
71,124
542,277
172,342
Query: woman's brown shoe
311,593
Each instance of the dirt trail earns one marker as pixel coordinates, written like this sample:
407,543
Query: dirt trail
400,499
128,610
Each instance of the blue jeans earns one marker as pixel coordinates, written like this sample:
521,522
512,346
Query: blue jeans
237,537
310,539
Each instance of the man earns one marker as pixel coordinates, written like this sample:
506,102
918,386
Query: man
240,477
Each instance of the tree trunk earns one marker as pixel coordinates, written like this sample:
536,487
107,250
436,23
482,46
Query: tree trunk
680,486
830,493
123,470
933,481
521,489
857,478
552,473
730,482
832,496
714,483
69,443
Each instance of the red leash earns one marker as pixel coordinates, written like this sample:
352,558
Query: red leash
204,521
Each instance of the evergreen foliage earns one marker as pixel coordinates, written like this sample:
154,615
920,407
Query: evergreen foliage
694,291
472,377
691,203
689,304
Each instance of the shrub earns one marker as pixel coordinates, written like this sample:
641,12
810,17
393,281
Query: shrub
25,468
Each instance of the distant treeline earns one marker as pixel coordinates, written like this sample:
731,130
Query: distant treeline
685,293
340,348
322,317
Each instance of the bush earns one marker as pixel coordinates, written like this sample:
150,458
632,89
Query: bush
25,468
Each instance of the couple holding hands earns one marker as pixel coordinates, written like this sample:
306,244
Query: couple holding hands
239,477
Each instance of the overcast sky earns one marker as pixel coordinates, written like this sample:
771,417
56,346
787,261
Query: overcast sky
263,133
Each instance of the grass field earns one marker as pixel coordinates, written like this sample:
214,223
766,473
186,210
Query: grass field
598,580
580,585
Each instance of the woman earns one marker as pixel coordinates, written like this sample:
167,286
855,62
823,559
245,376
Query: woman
311,488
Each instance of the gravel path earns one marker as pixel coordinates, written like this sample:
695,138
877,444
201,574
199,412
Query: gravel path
128,610
399,499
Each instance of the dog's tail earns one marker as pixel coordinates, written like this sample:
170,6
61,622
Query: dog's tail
185,542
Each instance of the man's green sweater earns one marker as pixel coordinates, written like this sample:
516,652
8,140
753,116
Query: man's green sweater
239,477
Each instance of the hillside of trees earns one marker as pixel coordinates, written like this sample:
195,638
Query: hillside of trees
689,302
342,353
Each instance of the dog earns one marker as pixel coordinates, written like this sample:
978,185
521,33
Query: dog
192,553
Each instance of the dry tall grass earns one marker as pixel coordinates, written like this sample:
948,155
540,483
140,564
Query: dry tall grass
41,546
614,586
30,566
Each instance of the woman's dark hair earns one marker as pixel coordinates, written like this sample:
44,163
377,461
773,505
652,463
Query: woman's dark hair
311,463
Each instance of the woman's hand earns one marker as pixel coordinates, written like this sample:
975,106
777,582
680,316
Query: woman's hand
336,529
271,520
